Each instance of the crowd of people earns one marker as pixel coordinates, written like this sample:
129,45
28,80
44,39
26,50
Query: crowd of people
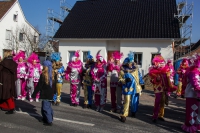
25,78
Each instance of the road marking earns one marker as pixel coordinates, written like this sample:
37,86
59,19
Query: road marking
58,119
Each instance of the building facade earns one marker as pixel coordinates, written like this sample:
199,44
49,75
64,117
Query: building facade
16,32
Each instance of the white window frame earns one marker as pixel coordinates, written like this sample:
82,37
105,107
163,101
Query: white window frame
15,17
35,39
8,35
83,56
70,57
21,40
137,53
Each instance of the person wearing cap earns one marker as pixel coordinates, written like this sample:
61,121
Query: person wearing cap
34,71
132,85
73,74
160,79
21,75
59,73
8,77
87,82
114,66
192,95
44,86
99,77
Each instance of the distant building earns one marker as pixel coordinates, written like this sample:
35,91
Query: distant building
16,32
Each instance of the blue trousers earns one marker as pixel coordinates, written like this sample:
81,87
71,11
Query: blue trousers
134,102
47,111
90,95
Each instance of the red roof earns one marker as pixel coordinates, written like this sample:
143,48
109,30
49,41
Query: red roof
5,6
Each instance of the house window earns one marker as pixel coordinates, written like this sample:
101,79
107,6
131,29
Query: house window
8,34
138,58
152,56
35,39
71,54
21,37
15,17
85,54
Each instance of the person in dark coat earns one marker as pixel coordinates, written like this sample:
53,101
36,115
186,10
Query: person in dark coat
46,92
8,76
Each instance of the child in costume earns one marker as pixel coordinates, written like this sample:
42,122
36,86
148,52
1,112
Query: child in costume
115,86
182,78
87,82
21,75
44,86
73,73
34,71
99,77
192,95
59,71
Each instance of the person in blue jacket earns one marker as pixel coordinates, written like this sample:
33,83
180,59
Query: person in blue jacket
132,86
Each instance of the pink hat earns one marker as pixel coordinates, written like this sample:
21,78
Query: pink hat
33,57
99,57
19,55
169,61
117,55
158,59
76,54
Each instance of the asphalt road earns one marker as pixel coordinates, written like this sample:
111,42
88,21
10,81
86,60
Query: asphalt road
78,120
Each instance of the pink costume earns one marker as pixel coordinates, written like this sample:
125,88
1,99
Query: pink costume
34,71
182,77
21,75
172,72
115,86
73,73
99,76
192,95
160,78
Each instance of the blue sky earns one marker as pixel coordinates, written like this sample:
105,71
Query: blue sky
36,13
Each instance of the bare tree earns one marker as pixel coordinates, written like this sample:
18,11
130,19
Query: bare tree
24,38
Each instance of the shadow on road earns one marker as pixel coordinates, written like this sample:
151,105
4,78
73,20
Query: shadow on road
24,106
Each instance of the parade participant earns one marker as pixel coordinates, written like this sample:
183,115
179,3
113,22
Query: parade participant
99,77
115,87
160,78
8,77
87,82
192,95
131,80
44,86
182,78
73,73
21,75
59,71
172,73
34,71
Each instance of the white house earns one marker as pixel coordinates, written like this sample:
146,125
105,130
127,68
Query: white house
146,27
16,32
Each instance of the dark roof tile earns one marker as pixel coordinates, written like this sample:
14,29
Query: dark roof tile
5,6
121,19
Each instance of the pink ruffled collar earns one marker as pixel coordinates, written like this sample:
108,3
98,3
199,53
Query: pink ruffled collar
77,64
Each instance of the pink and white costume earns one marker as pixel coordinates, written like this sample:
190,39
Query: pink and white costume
99,76
73,73
115,86
172,72
192,95
34,71
21,75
